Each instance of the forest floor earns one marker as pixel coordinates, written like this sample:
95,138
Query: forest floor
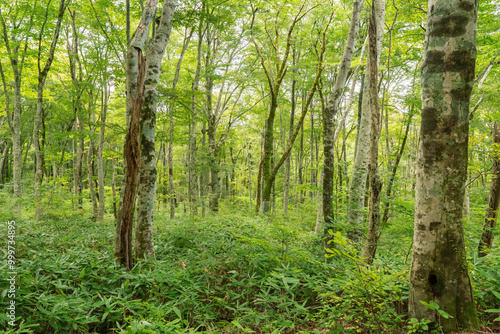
226,273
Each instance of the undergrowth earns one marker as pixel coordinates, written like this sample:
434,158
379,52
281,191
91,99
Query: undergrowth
222,274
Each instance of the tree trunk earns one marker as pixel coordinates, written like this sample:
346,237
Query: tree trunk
144,243
132,151
490,219
290,133
392,177
375,181
355,206
90,177
100,148
192,177
439,266
42,76
330,111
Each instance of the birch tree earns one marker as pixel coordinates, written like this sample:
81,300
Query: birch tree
135,70
439,267
143,244
329,113
355,205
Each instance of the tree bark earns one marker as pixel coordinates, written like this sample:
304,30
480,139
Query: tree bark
90,177
144,243
100,148
355,205
490,219
132,151
330,111
375,181
192,177
439,266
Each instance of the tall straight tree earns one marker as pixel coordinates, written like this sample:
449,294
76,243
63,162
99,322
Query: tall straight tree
16,47
329,113
490,219
355,205
439,266
143,243
373,172
279,60
136,72
42,76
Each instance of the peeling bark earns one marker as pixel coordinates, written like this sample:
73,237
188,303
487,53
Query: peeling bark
136,73
144,243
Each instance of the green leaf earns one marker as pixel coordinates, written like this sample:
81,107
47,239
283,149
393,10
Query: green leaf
82,273
493,310
177,311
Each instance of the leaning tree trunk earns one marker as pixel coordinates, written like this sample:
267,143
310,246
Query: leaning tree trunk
143,244
132,151
375,183
490,219
355,206
328,121
439,264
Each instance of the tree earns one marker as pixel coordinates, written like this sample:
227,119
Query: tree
439,268
42,76
143,244
490,219
136,73
328,119
355,206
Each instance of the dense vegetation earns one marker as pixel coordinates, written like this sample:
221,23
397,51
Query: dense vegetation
225,273
249,167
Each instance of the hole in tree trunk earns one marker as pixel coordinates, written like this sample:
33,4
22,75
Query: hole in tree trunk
433,279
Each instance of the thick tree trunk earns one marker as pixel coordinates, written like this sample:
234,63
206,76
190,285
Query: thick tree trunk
375,181
136,67
490,219
144,243
330,111
355,205
439,264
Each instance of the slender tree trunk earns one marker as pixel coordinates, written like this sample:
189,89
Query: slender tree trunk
144,243
192,177
290,133
395,165
490,219
330,111
90,177
42,76
355,206
375,181
136,67
100,148
439,266
113,177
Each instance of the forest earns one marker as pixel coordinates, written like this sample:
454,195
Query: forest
254,166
